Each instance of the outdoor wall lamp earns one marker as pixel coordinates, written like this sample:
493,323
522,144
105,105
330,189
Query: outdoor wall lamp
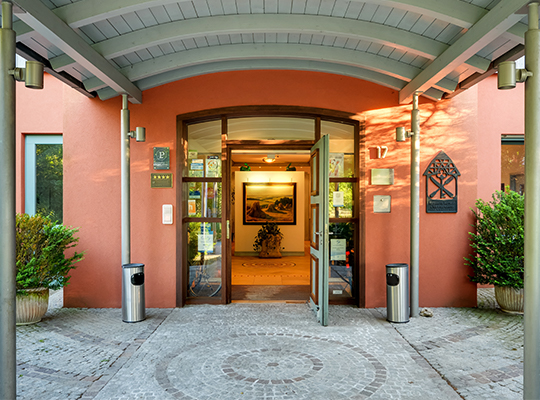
402,134
139,134
32,75
508,75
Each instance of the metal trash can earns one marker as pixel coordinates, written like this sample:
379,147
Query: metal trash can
397,292
133,305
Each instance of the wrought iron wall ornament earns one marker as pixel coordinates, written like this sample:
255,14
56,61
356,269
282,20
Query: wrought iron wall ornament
441,185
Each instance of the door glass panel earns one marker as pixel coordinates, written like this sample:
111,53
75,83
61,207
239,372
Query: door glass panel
513,167
345,198
205,137
342,253
270,128
341,148
204,199
204,259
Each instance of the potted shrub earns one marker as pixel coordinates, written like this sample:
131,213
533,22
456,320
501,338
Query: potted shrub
41,263
498,248
268,241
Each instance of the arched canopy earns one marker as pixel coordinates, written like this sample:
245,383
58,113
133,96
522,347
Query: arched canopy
109,47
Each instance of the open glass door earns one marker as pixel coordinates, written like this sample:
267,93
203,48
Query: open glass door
318,230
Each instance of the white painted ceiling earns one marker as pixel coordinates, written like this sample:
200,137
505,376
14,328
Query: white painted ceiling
109,47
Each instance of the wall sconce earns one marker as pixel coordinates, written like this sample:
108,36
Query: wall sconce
402,134
139,134
508,75
32,75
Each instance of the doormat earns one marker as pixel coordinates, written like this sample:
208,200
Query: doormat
269,293
270,264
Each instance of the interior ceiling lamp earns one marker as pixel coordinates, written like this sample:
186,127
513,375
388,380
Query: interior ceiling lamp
270,158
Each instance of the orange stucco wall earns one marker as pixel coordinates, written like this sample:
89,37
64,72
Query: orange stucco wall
501,112
37,112
91,129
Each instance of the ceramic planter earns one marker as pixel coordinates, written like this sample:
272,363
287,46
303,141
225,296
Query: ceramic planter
32,305
270,247
510,300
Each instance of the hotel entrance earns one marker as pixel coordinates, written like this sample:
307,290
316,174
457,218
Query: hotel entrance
242,172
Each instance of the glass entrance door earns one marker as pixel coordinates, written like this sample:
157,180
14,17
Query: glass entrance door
318,230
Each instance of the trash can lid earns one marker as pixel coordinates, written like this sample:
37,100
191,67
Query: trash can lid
399,265
132,265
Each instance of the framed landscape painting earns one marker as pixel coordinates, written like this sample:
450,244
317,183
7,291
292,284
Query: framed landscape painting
269,202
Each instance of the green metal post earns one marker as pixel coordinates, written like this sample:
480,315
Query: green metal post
125,185
531,373
8,356
415,207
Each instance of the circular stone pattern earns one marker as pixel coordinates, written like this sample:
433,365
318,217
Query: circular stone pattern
274,366
270,264
270,365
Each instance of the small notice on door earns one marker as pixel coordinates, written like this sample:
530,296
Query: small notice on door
192,207
338,248
206,242
338,199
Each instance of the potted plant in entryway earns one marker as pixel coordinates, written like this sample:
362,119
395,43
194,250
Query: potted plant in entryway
41,263
268,241
498,248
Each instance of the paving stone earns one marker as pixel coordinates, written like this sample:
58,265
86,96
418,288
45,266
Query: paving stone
271,351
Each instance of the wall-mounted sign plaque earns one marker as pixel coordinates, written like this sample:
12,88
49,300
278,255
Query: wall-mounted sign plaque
441,185
382,176
161,180
161,158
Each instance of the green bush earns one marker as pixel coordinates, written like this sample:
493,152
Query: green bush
40,247
498,243
267,230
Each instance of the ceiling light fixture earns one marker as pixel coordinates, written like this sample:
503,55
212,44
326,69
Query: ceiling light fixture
270,158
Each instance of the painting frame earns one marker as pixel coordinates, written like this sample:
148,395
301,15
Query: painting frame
276,202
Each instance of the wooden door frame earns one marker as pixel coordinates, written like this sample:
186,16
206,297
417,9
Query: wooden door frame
223,114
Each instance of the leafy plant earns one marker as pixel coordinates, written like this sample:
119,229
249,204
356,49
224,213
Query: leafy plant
40,257
245,167
269,229
290,167
498,242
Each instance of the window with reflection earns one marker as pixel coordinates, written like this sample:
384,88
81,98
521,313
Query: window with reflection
204,259
513,163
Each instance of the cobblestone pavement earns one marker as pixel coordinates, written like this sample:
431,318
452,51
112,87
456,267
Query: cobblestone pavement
271,351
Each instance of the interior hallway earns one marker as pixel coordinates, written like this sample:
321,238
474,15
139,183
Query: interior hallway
283,279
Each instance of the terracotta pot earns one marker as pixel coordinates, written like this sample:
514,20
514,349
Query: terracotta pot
510,300
32,305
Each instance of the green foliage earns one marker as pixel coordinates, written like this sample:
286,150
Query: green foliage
498,243
40,247
290,167
267,230
245,167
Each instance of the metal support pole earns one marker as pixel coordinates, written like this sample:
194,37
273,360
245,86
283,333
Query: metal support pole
125,178
415,207
8,354
531,383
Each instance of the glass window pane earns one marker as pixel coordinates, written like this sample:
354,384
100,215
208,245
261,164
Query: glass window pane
344,189
513,167
49,180
202,165
341,265
270,128
204,199
205,137
204,259
341,148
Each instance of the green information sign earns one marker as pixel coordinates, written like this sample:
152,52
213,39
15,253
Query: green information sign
161,158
